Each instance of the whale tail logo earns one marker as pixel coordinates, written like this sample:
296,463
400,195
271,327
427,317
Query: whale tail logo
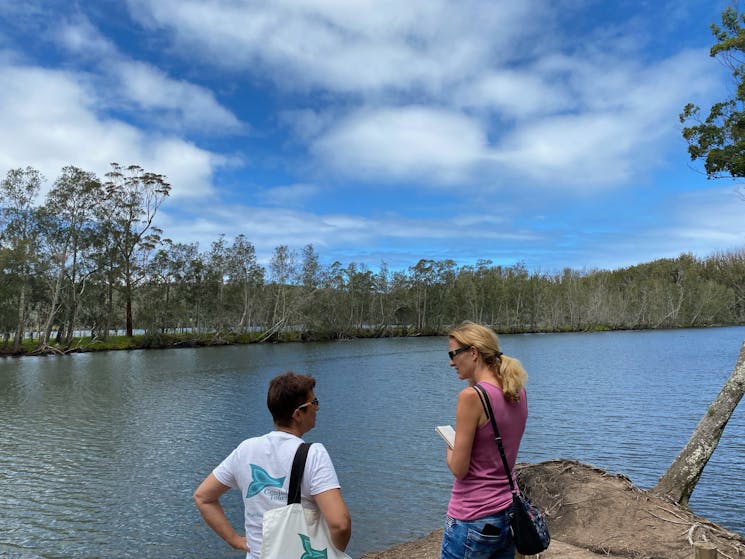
311,553
262,480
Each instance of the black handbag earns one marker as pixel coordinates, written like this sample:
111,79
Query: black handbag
527,523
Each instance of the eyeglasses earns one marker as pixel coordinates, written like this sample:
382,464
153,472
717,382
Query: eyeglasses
455,352
313,402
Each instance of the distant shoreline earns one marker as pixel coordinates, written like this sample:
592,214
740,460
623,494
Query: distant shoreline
173,341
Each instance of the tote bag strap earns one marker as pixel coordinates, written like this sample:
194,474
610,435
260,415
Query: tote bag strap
484,397
296,475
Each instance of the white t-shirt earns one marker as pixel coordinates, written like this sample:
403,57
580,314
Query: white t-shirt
260,468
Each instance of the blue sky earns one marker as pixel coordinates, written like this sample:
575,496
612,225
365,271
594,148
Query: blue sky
538,132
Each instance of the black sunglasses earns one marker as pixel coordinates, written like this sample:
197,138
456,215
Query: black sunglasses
314,402
455,352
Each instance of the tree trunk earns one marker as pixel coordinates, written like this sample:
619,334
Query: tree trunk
680,479
53,310
130,322
109,308
21,328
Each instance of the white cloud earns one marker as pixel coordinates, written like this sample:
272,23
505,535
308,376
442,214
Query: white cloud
581,150
451,91
623,120
601,123
402,144
84,39
363,46
49,121
137,87
183,103
514,94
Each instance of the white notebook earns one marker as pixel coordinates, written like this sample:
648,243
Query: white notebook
448,433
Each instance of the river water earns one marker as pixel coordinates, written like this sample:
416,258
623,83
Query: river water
100,453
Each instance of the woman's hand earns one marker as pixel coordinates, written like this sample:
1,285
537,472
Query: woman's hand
239,542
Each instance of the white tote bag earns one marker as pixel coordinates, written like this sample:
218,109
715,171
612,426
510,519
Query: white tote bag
292,532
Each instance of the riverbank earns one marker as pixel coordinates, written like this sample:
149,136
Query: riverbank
30,346
592,513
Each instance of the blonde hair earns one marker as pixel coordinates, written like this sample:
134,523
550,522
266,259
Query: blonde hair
509,371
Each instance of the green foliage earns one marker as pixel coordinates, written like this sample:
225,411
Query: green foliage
719,139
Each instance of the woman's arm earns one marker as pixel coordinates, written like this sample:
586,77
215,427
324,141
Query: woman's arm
467,414
334,510
207,498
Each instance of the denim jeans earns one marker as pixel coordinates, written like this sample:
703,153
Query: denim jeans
464,539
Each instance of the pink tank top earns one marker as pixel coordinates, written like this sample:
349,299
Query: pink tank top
485,490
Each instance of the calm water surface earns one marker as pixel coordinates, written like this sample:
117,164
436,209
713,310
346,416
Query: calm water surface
100,453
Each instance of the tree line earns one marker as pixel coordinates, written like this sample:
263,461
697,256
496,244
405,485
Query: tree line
90,259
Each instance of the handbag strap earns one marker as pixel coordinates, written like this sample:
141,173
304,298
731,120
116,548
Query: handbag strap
296,474
484,397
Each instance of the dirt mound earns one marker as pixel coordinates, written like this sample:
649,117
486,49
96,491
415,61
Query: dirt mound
429,548
605,513
593,513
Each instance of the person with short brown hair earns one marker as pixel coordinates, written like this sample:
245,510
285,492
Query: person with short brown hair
260,468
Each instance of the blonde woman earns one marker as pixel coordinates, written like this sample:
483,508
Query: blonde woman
477,522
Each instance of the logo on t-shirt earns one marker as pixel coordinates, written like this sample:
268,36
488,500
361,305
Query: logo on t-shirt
262,480
311,553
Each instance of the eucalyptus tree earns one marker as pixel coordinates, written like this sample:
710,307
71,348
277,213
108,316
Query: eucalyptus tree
728,269
422,276
329,301
360,285
196,277
8,314
574,298
165,300
246,276
310,282
68,215
433,282
157,314
382,313
552,316
497,299
283,269
99,302
467,298
444,300
517,299
536,300
133,197
310,268
19,235
217,275
482,289
403,309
